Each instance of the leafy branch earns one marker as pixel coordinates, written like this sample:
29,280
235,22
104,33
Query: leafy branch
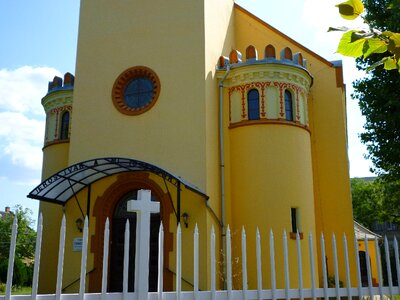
363,43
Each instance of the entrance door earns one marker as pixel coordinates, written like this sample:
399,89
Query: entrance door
116,268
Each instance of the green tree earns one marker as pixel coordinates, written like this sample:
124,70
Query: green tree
391,201
378,95
25,247
375,201
367,201
26,237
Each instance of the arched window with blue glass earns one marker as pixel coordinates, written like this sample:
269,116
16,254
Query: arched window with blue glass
288,105
253,104
64,126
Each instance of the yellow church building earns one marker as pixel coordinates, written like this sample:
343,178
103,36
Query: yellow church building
224,118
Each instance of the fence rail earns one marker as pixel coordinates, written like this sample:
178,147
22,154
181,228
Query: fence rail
300,292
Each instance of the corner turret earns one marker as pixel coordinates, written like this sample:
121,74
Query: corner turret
58,107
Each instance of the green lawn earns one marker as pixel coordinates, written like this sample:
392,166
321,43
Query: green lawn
25,290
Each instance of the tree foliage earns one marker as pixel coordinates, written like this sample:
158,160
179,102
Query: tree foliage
377,39
378,95
375,201
26,237
25,247
367,201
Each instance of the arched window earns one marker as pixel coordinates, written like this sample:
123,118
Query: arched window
288,106
64,126
253,104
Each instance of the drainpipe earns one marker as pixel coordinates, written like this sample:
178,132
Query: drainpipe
222,167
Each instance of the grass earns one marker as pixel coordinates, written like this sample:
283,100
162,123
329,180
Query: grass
25,290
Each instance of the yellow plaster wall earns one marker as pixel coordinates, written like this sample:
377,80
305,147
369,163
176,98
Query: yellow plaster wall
55,158
330,162
172,134
267,180
219,37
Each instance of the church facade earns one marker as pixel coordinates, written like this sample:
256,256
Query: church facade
225,119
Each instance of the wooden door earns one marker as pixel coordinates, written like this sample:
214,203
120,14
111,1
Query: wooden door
116,267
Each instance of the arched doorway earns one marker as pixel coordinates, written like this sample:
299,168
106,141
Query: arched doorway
106,206
117,241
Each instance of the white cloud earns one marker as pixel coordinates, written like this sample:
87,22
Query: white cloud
22,117
17,126
25,154
22,89
21,139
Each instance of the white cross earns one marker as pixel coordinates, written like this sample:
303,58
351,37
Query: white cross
143,207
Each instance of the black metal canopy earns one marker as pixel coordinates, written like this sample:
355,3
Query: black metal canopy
63,185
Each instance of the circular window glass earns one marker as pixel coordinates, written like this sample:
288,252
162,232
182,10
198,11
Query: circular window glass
139,92
136,90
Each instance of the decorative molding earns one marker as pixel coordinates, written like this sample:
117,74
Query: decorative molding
262,86
283,73
268,122
57,99
55,142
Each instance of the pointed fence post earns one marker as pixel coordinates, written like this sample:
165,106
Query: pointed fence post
229,262
160,283
11,257
367,257
244,264
388,268
259,272
286,265
379,266
61,250
105,259
213,261
324,268
35,280
196,263
312,266
397,258
336,267
126,261
299,265
82,284
178,262
346,261
359,285
272,263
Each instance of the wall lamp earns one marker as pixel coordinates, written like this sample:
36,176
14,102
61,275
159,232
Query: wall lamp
79,224
185,218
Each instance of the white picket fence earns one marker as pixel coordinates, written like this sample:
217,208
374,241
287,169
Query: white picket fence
288,292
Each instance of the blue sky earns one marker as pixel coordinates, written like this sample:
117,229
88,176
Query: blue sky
38,41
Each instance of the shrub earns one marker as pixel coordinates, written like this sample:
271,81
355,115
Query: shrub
20,274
